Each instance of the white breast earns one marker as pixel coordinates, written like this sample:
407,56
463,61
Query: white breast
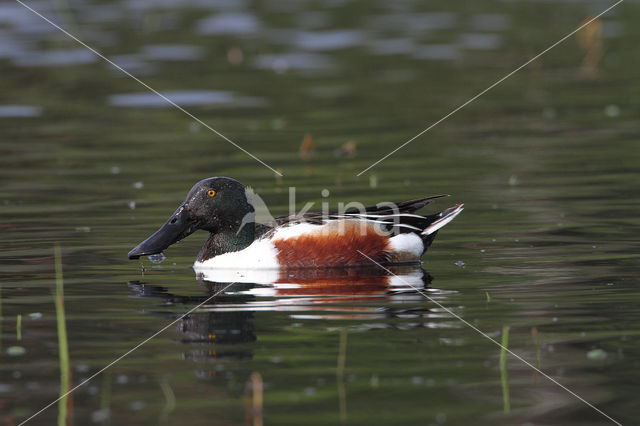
261,254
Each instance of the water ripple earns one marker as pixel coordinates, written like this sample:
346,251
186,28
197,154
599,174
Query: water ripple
184,98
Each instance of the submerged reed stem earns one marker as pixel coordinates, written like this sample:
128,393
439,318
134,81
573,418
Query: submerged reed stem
254,400
170,400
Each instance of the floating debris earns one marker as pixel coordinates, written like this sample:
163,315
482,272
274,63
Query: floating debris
235,56
459,263
157,258
132,205
590,41
373,181
83,229
596,354
612,111
347,150
100,415
307,148
137,405
115,170
138,185
82,368
16,350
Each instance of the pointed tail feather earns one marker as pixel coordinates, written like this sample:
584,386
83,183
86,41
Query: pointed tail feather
446,216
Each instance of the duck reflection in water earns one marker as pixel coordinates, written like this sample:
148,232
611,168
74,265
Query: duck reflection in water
350,283
227,320
207,330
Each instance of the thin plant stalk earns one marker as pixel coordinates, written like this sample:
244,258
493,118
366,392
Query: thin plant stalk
536,341
63,348
254,399
19,327
0,316
506,401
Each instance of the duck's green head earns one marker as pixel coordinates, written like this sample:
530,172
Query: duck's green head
218,205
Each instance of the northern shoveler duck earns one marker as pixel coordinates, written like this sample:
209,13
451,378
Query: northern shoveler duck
387,234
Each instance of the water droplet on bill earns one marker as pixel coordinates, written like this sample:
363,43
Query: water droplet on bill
157,258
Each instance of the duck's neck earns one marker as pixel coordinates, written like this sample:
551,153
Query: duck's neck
227,241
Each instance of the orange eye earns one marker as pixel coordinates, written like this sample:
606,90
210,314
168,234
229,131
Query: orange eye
211,193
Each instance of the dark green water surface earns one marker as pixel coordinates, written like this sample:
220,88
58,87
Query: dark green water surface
547,164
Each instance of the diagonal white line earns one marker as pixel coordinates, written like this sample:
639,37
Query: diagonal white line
127,353
151,89
426,296
491,87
